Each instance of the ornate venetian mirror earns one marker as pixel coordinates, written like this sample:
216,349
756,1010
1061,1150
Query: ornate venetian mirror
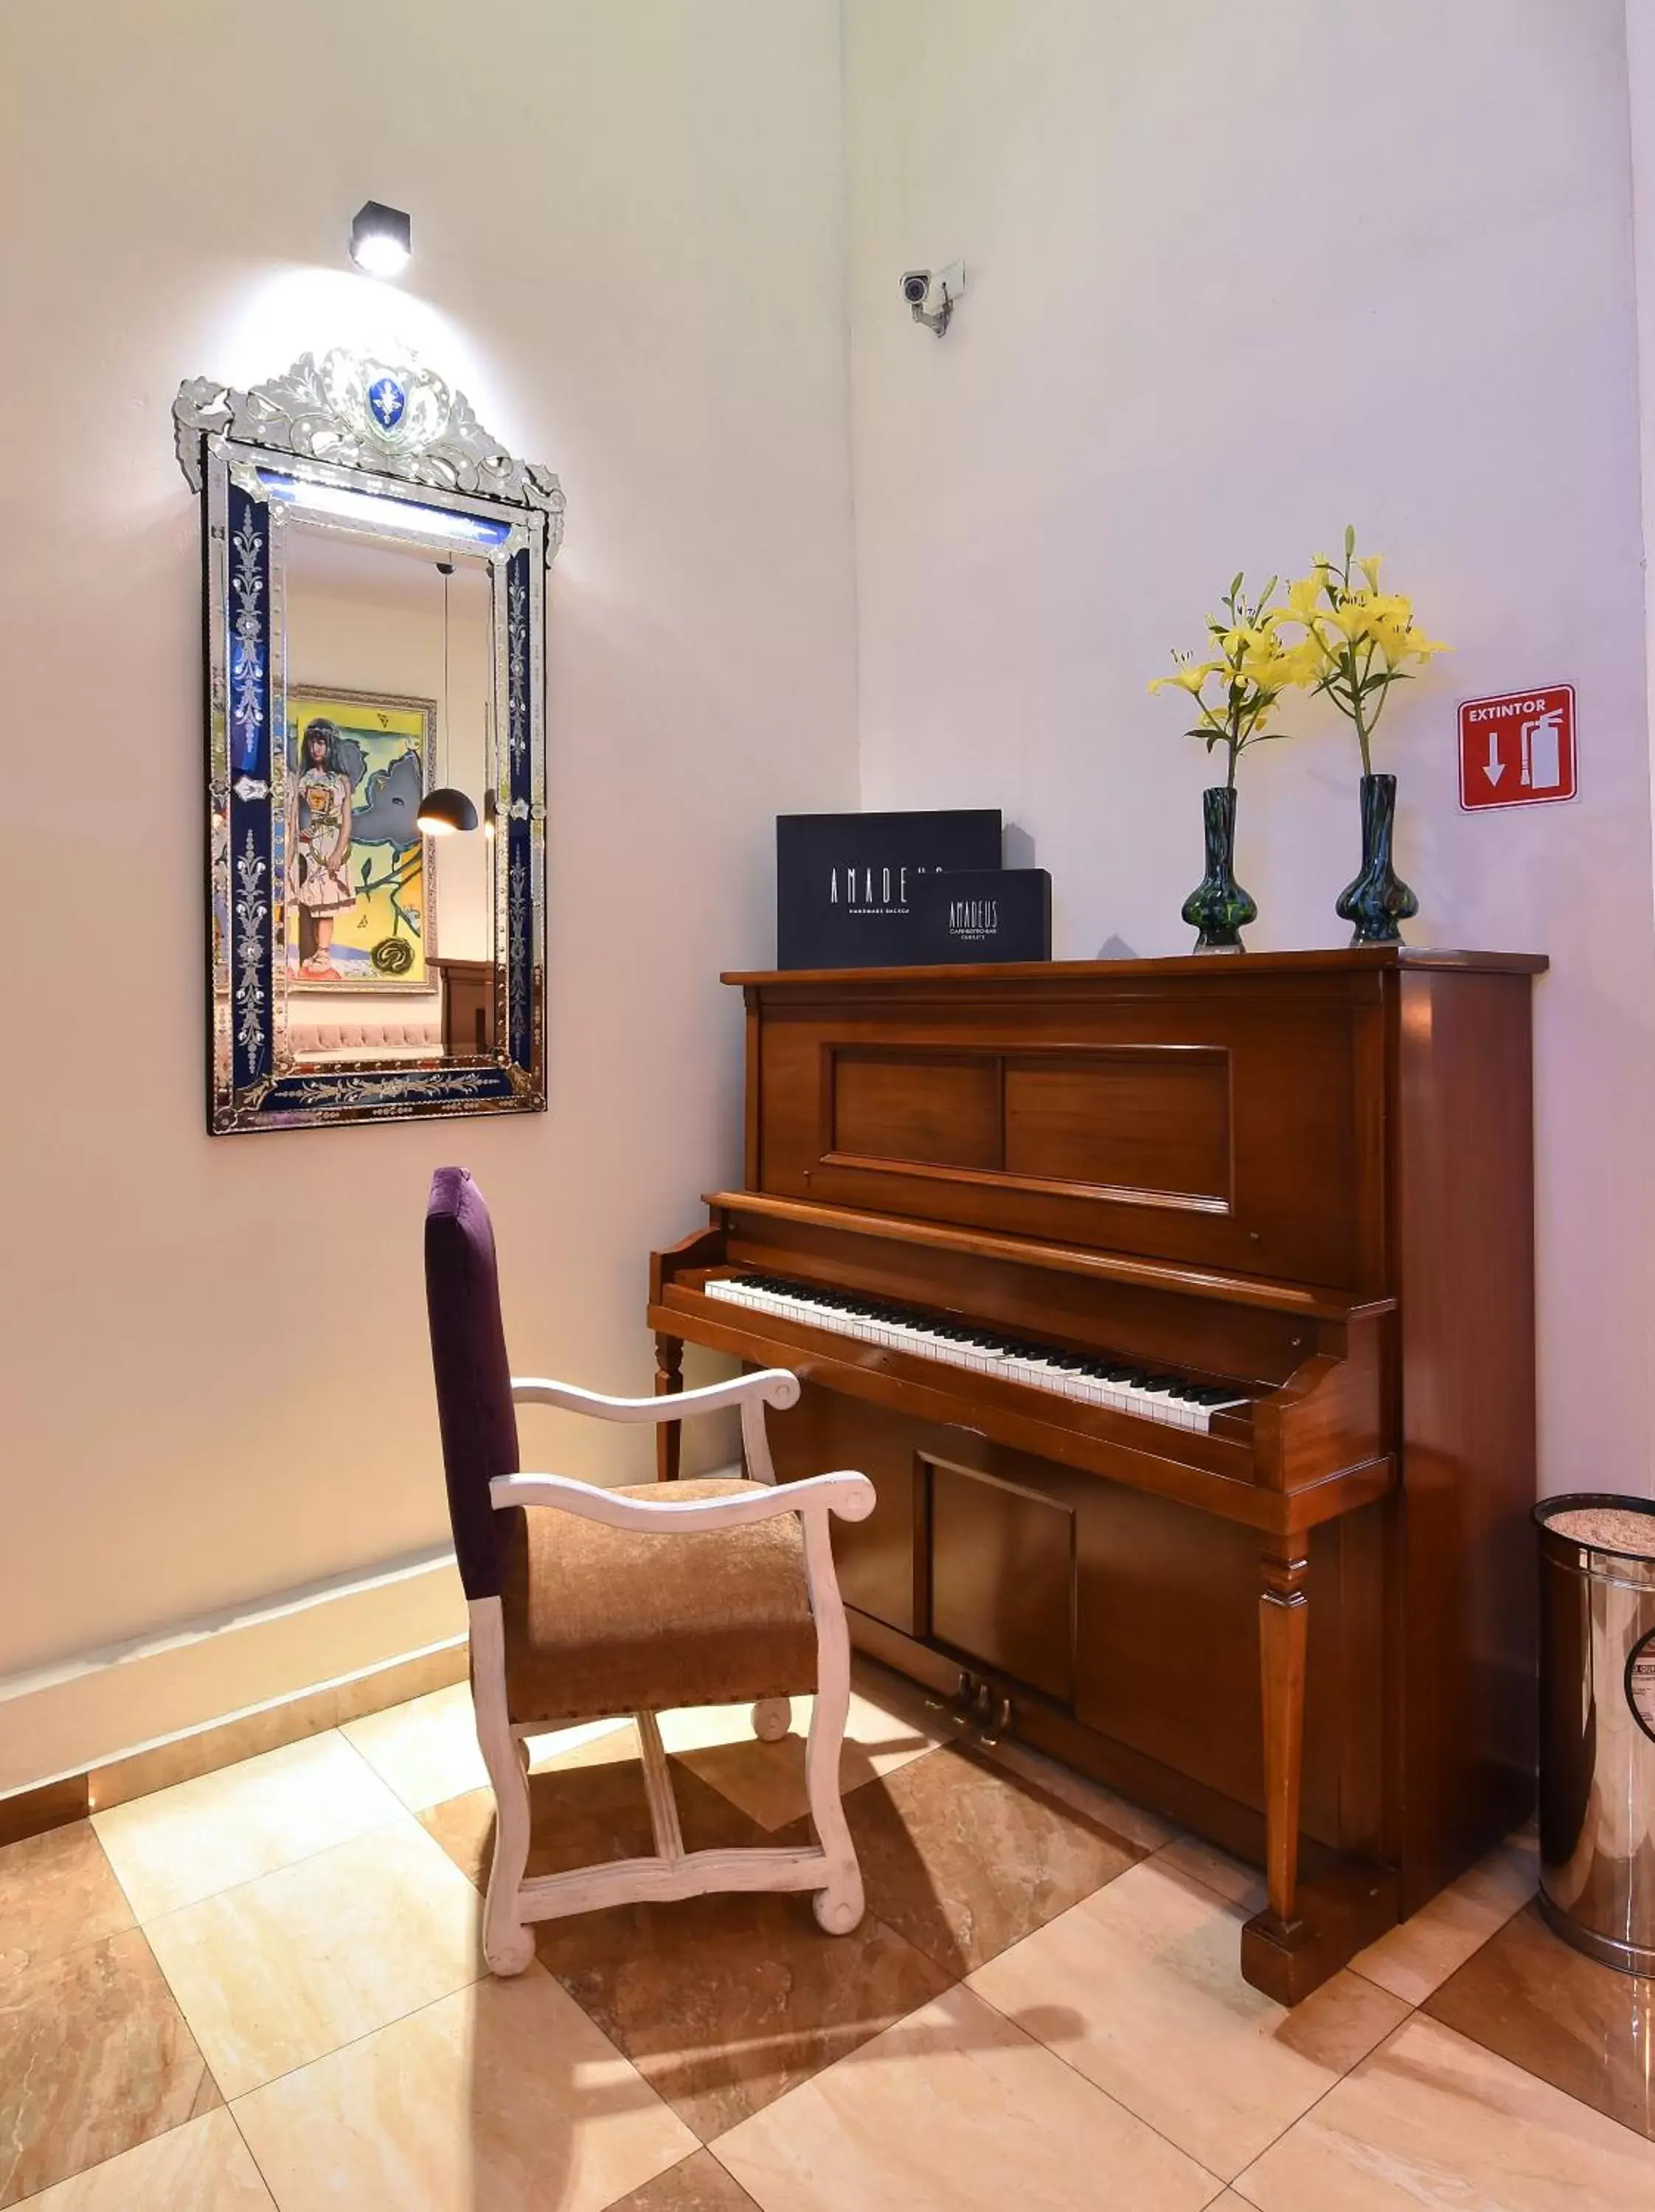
374,568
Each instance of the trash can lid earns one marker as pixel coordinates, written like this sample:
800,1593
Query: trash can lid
1602,1522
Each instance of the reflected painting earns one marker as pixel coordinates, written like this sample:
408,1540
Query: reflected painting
360,910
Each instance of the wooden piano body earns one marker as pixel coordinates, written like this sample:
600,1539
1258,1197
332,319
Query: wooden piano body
1307,1633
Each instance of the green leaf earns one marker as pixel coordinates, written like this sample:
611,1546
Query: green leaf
1236,583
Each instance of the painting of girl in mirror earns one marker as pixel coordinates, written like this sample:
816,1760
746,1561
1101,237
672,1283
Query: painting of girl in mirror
357,870
319,847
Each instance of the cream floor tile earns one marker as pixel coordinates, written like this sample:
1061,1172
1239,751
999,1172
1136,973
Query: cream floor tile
1232,1878
281,1971
503,2098
767,1780
203,2166
425,1750
1432,2123
185,1843
1139,1988
1415,1959
954,2110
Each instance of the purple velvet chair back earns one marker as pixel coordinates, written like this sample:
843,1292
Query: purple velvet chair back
473,1376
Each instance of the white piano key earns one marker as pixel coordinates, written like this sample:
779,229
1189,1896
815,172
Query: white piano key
1149,1401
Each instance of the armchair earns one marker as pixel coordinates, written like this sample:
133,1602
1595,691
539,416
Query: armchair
585,1601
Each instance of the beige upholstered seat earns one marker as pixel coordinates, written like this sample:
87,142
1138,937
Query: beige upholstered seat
602,1620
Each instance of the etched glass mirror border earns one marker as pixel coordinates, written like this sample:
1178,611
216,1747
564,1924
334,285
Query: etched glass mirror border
385,450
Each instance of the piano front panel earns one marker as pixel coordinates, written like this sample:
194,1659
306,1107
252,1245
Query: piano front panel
1229,1127
1129,1615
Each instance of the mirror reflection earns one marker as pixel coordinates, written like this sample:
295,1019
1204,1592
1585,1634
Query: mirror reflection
375,618
387,943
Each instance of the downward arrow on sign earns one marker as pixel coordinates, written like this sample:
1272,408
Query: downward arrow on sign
1496,767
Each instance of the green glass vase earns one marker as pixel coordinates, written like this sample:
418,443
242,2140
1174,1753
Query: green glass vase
1377,901
1217,908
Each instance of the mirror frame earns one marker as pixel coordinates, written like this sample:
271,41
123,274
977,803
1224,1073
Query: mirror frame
328,438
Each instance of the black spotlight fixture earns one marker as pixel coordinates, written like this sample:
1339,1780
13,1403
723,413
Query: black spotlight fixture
381,239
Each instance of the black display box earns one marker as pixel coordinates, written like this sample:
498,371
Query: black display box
982,914
848,886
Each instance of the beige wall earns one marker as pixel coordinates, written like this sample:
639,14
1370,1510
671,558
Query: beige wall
628,231
1238,278
1231,287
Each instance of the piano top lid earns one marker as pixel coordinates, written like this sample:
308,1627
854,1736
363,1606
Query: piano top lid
1351,959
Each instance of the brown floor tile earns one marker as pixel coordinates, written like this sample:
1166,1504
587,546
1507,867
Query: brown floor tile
57,1892
724,2003
1588,2030
963,1858
700,2185
721,2002
94,2056
580,1816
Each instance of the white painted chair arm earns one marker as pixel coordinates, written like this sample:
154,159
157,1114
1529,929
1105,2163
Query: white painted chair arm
847,1493
772,1386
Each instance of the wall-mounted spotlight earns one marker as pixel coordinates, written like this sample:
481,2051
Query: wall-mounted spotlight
916,289
381,239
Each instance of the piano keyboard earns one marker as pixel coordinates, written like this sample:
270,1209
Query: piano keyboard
1093,1380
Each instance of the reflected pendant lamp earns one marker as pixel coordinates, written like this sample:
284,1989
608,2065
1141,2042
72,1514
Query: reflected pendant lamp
446,810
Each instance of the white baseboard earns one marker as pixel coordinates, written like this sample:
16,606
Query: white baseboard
76,1713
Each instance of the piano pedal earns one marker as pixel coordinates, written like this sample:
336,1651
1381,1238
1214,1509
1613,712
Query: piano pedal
991,1715
957,1710
977,1709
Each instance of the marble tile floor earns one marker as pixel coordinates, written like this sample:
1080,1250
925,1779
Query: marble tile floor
260,1990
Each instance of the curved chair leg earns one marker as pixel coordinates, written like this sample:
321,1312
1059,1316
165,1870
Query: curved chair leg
772,1718
508,1945
838,1905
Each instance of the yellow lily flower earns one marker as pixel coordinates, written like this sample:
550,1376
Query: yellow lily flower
1304,599
1188,676
1353,618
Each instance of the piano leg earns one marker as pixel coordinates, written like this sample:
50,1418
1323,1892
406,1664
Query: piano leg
1283,1624
669,1381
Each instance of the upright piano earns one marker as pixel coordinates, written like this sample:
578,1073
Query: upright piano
1182,1312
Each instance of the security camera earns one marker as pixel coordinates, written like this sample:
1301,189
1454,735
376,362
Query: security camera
917,285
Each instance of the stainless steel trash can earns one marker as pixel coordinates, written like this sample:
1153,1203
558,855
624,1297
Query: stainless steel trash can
1598,1725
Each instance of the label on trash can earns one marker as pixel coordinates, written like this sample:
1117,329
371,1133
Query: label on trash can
1640,1683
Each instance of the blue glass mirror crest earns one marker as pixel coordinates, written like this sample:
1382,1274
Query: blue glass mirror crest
374,605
